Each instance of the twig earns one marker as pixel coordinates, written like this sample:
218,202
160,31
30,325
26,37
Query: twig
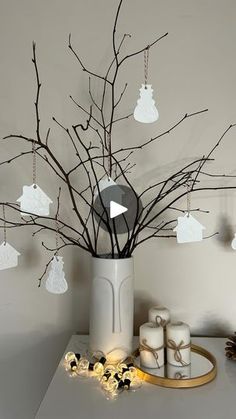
82,65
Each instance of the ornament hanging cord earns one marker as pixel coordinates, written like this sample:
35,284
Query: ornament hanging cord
34,164
146,60
57,238
4,226
189,197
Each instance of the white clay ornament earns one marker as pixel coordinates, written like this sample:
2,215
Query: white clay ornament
188,229
56,282
146,111
103,184
8,256
34,200
233,243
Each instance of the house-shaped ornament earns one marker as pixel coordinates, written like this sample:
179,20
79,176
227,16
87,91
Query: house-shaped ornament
188,229
8,256
34,200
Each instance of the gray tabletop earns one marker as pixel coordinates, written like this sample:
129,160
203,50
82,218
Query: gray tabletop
81,398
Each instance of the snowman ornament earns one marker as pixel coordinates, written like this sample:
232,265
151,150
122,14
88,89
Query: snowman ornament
146,111
56,282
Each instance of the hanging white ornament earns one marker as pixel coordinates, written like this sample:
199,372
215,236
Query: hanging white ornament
103,184
233,243
56,282
188,229
146,111
8,256
34,200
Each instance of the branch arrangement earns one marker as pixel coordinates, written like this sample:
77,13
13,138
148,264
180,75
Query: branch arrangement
98,159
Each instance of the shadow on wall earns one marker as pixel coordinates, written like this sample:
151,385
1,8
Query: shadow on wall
226,232
80,283
212,326
142,303
151,176
26,370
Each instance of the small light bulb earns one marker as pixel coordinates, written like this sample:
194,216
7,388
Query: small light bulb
133,371
98,369
118,376
127,383
112,384
90,367
78,356
73,365
83,363
127,375
103,380
70,356
122,366
111,369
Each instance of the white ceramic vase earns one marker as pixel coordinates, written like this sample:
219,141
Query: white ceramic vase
112,307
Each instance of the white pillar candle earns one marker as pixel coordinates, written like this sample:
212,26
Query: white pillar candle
151,339
159,315
178,344
178,373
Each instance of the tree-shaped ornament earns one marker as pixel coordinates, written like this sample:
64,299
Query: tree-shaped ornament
8,255
146,111
56,282
188,229
34,200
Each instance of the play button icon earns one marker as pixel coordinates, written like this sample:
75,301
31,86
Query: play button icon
116,209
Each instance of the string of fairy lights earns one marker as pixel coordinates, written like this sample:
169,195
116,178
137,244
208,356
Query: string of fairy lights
113,378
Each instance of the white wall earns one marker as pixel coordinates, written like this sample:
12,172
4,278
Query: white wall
193,68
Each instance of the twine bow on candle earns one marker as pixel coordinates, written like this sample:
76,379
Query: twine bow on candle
154,351
177,348
160,321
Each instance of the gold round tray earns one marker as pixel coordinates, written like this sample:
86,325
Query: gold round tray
180,382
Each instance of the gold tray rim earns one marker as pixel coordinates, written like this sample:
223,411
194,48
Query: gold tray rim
176,383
